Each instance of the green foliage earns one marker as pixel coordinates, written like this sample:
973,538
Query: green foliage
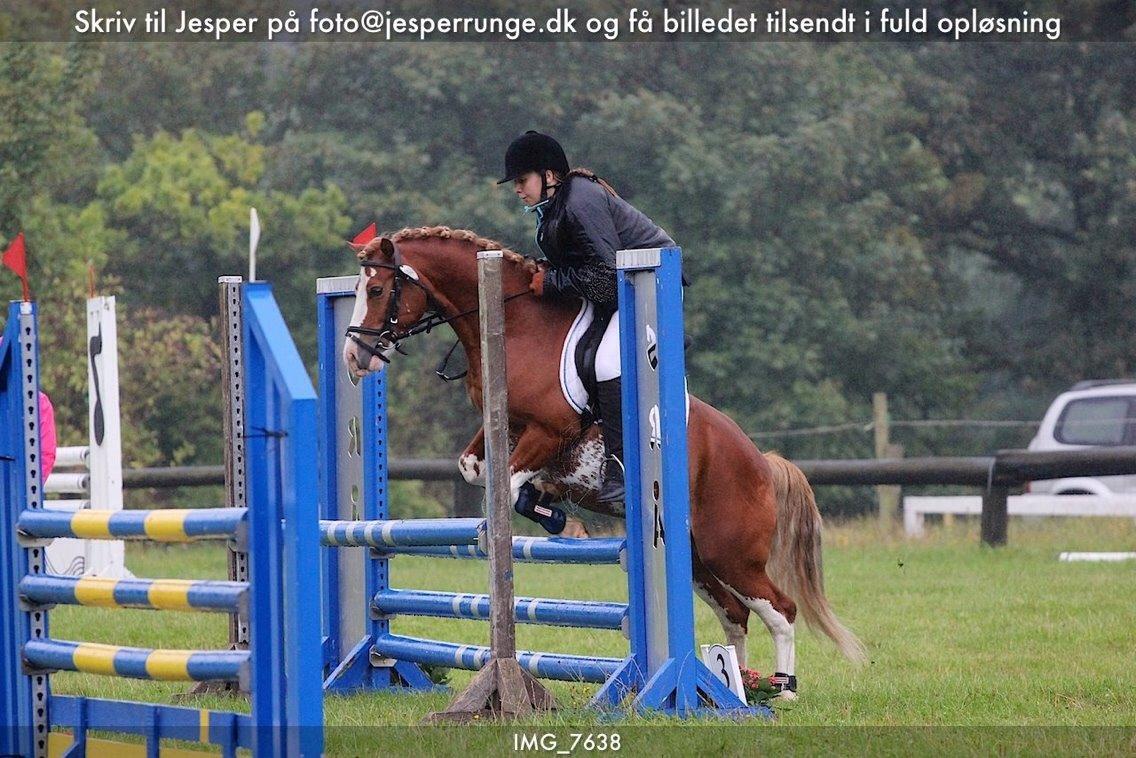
44,143
407,500
950,224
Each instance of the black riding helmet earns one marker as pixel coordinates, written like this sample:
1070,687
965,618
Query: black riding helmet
533,151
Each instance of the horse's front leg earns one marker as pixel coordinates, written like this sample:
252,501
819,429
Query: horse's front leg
536,446
472,460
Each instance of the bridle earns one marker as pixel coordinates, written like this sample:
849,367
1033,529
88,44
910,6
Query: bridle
388,337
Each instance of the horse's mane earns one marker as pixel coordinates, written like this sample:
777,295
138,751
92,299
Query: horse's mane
445,232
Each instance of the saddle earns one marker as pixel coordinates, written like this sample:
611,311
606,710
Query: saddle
586,350
578,359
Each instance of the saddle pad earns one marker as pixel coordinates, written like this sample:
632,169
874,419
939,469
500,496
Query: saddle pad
570,383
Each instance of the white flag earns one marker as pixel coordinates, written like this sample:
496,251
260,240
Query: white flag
254,238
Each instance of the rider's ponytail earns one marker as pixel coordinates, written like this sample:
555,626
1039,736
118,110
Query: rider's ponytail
587,173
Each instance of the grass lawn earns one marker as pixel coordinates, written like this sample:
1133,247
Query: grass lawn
968,645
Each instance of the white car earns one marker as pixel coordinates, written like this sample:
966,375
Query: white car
1091,414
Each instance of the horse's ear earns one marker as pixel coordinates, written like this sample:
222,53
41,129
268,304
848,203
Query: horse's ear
356,247
386,247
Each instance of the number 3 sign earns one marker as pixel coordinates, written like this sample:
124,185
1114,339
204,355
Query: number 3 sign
722,661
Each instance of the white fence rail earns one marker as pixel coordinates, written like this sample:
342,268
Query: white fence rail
916,507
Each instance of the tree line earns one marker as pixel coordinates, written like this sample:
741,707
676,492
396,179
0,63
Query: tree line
951,224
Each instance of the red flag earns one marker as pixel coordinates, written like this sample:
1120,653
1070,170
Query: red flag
16,258
365,236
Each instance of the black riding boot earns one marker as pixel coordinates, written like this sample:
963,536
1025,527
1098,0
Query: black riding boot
609,402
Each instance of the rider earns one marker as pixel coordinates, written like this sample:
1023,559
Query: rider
581,223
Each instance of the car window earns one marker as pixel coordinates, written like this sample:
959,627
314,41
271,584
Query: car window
1094,421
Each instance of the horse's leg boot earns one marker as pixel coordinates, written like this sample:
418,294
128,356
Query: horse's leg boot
539,508
785,685
609,398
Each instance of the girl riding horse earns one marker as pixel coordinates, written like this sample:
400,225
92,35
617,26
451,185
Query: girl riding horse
580,224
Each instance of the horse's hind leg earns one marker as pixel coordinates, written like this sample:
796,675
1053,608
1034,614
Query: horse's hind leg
754,589
732,614
778,612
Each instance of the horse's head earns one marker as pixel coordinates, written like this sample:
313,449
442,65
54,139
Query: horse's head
388,295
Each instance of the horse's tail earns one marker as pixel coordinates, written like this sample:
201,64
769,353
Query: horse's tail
795,564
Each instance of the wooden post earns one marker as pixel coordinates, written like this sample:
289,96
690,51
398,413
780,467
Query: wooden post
995,514
502,689
886,494
467,499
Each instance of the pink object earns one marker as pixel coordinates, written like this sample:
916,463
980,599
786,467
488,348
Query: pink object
47,442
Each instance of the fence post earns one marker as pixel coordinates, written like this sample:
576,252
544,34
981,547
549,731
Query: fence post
467,499
886,494
995,514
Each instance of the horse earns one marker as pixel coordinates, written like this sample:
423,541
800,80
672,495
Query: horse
755,526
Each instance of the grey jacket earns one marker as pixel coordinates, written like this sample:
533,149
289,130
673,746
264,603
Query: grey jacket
579,232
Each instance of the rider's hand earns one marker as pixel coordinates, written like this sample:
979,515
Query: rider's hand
536,286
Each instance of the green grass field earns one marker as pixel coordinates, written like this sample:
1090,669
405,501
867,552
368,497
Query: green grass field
958,636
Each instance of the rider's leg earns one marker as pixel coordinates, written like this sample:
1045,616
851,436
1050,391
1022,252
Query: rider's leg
609,402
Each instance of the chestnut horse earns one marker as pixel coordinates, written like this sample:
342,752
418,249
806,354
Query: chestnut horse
754,521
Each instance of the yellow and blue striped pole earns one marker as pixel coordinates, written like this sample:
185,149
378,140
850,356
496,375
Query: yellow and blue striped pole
152,594
137,663
159,526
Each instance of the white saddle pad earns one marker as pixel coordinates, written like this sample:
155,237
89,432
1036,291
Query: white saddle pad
570,383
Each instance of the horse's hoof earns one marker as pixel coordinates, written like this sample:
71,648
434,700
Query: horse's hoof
786,685
470,468
575,530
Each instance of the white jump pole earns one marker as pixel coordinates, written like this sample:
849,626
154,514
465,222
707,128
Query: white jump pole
1073,557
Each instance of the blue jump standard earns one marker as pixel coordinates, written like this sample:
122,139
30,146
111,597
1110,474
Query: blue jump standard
402,532
568,668
551,612
281,667
151,594
602,550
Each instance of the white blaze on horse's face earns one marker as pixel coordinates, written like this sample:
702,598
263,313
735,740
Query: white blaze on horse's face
358,362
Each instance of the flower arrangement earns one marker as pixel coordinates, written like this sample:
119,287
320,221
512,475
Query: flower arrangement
757,688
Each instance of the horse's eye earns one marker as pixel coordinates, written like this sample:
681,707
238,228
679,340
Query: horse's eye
375,292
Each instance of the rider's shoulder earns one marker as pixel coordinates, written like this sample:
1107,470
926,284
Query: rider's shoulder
584,190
